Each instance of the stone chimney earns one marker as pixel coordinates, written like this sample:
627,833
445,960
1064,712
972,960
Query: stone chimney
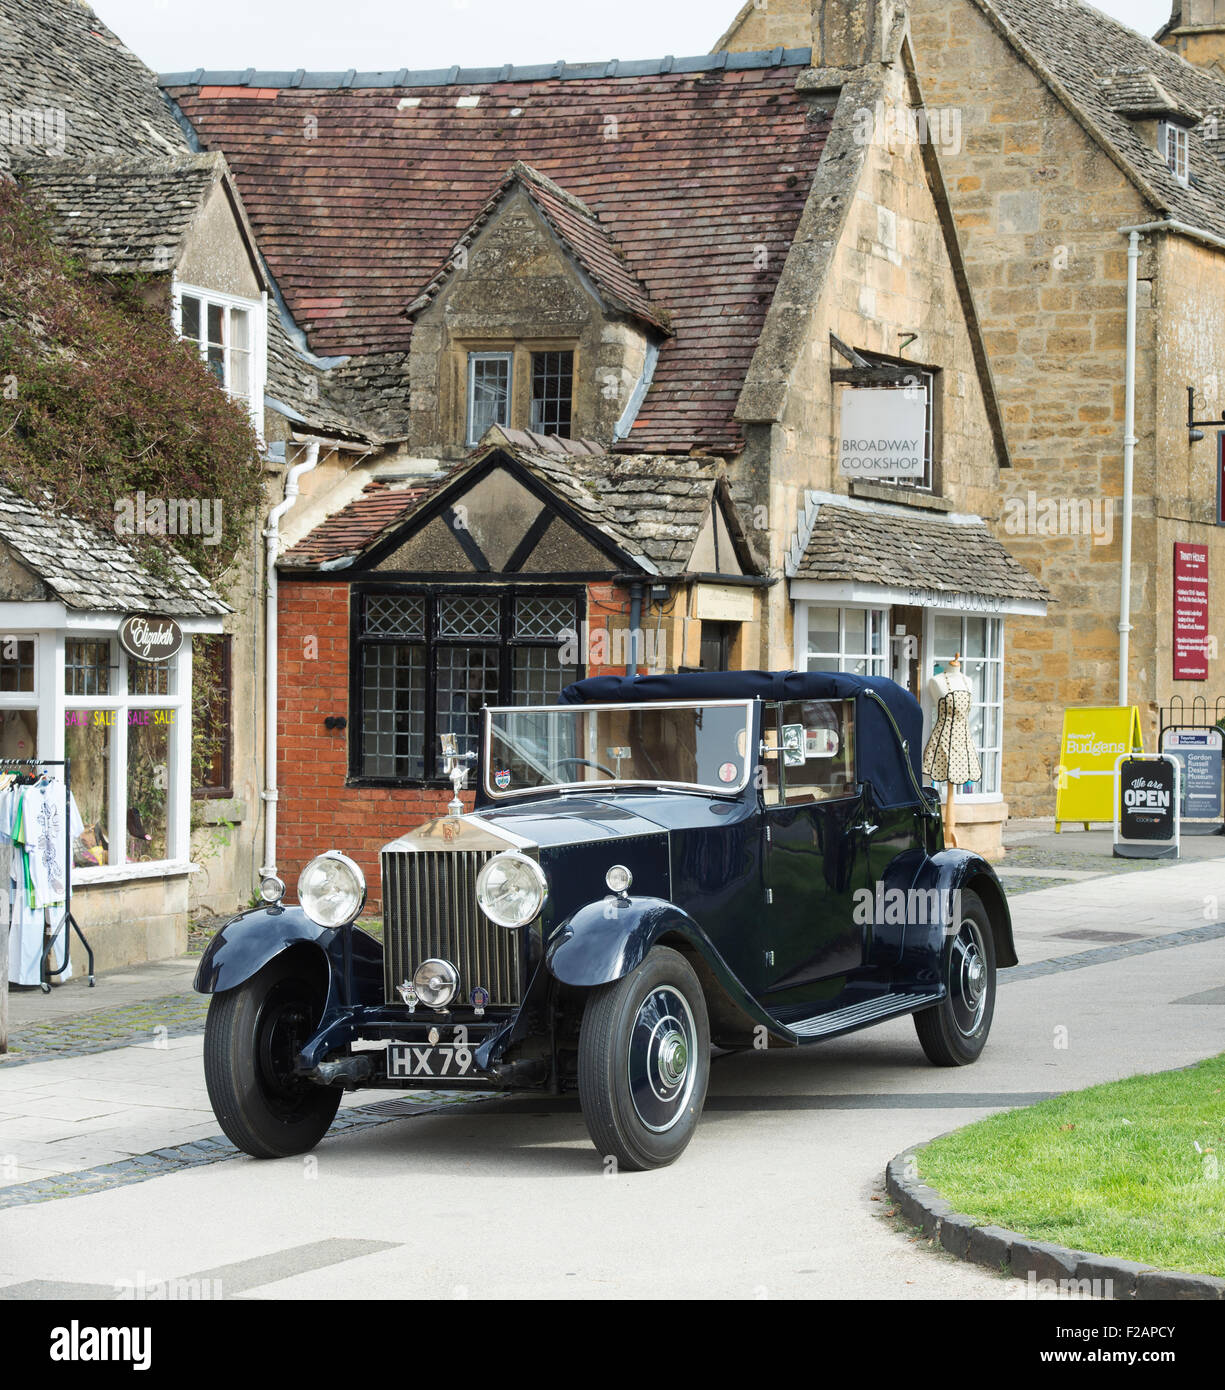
851,33
1196,31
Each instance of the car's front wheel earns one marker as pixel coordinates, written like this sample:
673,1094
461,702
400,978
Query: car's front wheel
252,1038
644,1062
954,1032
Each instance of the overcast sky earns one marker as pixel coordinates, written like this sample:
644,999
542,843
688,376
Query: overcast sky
175,35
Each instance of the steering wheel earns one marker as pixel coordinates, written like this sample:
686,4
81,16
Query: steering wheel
586,762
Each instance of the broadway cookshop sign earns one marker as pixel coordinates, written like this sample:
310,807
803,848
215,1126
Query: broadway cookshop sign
884,433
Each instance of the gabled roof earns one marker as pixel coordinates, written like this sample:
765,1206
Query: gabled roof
128,216
697,169
653,511
57,57
1136,92
1073,49
581,234
899,548
86,568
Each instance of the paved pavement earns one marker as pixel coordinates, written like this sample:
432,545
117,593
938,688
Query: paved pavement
780,1194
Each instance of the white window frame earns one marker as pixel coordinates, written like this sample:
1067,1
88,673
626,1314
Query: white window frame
178,750
1175,148
877,662
992,757
257,312
473,358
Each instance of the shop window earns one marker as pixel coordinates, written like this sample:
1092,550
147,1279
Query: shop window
552,392
980,642
426,664
489,387
16,665
120,718
212,751
844,639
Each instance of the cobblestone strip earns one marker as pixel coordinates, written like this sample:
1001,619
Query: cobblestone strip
1103,955
215,1149
172,1016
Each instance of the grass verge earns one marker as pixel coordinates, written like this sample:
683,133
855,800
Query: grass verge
1133,1169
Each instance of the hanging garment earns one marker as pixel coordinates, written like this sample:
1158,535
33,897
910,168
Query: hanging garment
39,879
950,755
6,856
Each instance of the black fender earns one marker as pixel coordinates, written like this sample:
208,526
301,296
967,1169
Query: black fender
943,876
608,939
249,941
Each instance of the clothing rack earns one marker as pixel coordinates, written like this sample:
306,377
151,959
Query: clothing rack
45,970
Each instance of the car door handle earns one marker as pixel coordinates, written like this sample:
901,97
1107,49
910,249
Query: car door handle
866,826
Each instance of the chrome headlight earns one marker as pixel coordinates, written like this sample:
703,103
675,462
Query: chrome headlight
511,889
332,889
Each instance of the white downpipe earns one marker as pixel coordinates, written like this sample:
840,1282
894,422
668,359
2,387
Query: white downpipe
272,537
1129,458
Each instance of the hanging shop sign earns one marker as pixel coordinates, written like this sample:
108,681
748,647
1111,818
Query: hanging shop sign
1093,738
1146,812
1190,612
884,433
149,638
1200,753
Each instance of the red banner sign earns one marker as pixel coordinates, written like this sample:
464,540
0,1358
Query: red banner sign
1190,612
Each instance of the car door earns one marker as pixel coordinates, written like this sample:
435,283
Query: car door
816,853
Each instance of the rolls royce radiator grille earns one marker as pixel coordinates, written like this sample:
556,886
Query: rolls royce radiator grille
430,910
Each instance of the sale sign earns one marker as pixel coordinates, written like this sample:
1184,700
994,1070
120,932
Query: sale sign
1190,612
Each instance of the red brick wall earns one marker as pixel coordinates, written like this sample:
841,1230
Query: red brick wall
316,810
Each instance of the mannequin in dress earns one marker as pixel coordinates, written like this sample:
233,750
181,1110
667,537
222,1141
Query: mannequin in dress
950,755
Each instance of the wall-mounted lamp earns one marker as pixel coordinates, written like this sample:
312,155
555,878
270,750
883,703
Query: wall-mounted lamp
1193,425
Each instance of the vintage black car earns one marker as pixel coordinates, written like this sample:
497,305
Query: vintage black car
655,867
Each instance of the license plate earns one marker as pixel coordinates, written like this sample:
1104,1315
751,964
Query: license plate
407,1060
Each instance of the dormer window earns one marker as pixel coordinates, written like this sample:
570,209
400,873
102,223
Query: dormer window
1173,145
498,391
228,334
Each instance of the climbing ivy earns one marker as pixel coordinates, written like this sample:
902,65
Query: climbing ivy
99,401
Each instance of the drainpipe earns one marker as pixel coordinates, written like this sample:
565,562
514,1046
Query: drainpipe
272,538
635,624
1129,457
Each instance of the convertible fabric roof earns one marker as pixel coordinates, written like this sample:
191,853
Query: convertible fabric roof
878,758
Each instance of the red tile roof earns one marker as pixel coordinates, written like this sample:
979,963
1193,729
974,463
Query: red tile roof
357,195
354,527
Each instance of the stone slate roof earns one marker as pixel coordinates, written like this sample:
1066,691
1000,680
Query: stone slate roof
579,230
90,569
57,55
900,550
652,509
125,216
1075,48
704,179
1136,92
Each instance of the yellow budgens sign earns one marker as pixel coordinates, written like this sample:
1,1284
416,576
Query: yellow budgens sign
1094,738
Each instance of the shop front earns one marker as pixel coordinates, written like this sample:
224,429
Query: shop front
879,591
104,696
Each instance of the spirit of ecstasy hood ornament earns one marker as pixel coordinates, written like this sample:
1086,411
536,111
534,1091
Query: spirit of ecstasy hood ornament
454,766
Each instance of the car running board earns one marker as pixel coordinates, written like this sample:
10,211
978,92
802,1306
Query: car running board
856,1015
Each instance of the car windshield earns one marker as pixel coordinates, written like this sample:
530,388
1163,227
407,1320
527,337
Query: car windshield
703,746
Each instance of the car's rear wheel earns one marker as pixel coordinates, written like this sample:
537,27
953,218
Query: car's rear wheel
644,1062
252,1037
954,1032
